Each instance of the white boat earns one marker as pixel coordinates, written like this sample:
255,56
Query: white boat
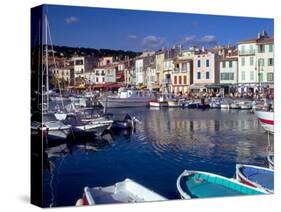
50,127
175,103
128,98
266,120
215,104
225,105
245,105
234,105
127,191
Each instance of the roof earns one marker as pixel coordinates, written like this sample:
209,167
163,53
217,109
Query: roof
258,40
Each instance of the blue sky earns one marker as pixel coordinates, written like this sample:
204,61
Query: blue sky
139,30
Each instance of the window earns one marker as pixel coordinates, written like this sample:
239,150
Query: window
261,48
97,79
243,76
270,61
251,49
231,76
243,61
207,75
198,75
103,79
261,62
97,73
180,80
243,49
270,48
198,63
207,63
230,64
251,75
270,77
223,64
260,77
175,80
184,80
251,61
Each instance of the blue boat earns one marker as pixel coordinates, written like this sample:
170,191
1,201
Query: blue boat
197,184
256,176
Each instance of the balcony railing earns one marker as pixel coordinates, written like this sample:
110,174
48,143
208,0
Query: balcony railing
247,52
177,70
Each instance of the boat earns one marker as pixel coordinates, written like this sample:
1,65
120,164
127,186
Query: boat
256,176
234,105
245,105
48,126
270,160
128,98
215,104
198,184
176,103
266,120
126,191
203,106
225,105
79,127
128,122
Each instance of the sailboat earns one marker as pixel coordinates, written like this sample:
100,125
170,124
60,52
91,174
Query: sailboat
46,123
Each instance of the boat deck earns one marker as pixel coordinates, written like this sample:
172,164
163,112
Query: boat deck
202,186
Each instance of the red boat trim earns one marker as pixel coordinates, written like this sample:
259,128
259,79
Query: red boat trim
266,121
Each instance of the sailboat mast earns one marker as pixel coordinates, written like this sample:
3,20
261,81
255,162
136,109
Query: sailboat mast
46,62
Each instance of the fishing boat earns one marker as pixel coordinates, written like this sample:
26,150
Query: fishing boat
266,120
215,104
176,103
126,191
53,129
197,184
128,98
225,104
259,177
270,160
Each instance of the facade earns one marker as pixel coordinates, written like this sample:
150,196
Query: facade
206,68
63,75
229,70
159,61
256,62
142,63
182,75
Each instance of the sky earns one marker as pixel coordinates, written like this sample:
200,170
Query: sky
147,30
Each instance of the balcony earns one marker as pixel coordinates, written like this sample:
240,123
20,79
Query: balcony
247,52
180,70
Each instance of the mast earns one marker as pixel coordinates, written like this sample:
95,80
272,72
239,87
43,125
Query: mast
46,60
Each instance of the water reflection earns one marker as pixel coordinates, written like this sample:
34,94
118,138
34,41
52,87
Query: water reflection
163,145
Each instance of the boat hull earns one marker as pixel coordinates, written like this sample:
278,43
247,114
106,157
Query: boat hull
266,120
125,102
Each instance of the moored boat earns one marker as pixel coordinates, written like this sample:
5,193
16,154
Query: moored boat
126,191
255,176
197,184
266,119
128,98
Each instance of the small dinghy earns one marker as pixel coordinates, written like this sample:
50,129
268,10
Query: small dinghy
256,176
126,191
197,184
270,159
128,122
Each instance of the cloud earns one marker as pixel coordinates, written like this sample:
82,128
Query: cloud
152,42
206,40
71,20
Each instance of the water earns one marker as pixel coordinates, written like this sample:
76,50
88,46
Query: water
163,145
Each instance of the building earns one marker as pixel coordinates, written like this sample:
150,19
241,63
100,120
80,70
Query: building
182,75
159,61
61,76
256,63
141,64
205,70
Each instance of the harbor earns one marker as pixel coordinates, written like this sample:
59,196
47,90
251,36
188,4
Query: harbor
180,122
155,153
